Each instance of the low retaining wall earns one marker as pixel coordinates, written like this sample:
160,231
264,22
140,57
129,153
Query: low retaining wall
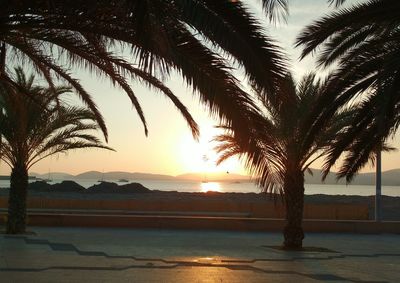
258,209
201,223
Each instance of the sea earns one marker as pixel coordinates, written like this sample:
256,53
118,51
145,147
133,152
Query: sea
236,187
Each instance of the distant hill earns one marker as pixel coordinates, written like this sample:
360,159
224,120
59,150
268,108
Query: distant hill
89,175
115,175
389,178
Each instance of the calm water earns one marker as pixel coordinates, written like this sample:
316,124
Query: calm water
246,187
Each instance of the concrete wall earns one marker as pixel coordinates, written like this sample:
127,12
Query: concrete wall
258,209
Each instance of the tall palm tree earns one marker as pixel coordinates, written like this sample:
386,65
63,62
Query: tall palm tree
284,144
363,42
35,124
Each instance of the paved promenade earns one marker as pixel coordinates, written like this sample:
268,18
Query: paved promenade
129,255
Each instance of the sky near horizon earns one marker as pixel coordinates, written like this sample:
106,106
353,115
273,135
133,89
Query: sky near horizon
170,148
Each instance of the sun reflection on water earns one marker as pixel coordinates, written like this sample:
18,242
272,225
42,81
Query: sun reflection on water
210,187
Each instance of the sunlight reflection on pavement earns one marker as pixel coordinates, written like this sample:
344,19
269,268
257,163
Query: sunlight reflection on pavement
121,255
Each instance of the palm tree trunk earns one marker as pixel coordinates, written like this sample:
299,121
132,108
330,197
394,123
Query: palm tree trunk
294,202
17,200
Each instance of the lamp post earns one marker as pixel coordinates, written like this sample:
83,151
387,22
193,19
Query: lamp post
378,173
378,184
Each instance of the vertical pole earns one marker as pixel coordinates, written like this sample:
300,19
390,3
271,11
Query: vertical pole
378,216
378,174
3,57
2,72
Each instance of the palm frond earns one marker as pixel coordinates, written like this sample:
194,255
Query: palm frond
276,9
363,41
358,16
284,141
230,26
337,3
32,129
161,36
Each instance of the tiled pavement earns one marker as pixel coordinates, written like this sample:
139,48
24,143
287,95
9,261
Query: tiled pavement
128,255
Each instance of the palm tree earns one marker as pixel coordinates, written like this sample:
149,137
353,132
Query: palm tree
363,42
284,144
35,124
147,40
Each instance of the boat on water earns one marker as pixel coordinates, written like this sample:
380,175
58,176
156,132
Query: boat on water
123,181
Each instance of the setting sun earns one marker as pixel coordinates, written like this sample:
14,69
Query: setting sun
200,156
210,187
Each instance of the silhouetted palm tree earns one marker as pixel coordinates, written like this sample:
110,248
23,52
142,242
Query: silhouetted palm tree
148,40
283,146
34,124
363,41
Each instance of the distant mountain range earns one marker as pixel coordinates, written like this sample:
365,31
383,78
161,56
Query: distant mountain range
96,175
389,178
115,175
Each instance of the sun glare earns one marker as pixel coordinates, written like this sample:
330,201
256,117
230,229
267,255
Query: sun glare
210,187
199,156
